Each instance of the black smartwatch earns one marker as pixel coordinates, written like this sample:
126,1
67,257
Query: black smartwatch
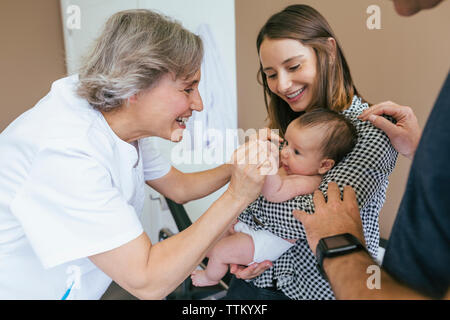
336,246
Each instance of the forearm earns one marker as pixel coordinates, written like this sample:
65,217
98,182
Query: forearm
164,270
271,186
349,278
288,187
197,185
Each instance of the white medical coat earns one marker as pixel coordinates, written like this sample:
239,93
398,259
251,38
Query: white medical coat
69,189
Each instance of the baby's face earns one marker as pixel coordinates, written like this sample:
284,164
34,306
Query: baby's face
302,153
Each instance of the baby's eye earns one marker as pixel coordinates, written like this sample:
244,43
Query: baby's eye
296,152
188,90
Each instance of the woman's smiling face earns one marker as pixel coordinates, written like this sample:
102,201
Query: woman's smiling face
290,69
164,108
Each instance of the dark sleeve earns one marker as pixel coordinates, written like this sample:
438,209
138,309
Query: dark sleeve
418,251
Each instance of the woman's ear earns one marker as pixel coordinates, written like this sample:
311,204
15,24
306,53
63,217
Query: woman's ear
133,99
326,165
332,45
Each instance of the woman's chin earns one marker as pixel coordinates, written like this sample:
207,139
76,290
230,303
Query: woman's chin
176,139
298,107
300,103
177,135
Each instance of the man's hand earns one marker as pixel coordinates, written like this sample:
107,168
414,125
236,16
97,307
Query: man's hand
332,217
405,134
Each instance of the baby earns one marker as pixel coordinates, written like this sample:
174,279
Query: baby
315,143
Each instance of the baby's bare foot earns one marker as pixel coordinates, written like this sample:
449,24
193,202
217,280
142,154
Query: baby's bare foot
200,279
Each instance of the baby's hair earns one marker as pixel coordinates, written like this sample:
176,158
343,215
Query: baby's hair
340,136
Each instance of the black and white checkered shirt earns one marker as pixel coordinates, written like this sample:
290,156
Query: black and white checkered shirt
366,169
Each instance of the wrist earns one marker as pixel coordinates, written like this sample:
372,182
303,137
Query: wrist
415,139
410,156
347,275
334,266
336,247
235,200
229,170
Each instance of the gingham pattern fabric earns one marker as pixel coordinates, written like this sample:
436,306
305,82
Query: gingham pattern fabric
366,169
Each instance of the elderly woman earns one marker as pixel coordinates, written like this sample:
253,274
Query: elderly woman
73,169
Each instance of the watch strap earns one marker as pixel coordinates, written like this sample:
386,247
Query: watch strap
322,251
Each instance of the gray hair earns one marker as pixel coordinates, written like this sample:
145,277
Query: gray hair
135,49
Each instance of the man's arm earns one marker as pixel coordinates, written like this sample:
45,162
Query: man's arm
183,187
348,274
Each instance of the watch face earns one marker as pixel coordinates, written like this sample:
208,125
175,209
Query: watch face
335,246
338,244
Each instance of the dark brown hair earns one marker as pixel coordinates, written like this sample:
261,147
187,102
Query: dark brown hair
334,84
340,134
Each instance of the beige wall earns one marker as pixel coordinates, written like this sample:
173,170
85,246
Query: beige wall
31,54
406,62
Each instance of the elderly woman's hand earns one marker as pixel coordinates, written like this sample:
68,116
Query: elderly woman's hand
267,134
251,163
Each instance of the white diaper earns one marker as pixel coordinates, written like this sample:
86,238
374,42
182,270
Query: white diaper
267,245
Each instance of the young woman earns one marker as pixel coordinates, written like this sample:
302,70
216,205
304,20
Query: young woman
302,67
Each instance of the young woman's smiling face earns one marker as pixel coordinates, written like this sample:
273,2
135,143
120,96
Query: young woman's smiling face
290,69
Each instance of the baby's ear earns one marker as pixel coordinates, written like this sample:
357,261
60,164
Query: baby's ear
325,165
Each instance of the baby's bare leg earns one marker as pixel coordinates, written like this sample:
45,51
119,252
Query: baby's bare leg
237,248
